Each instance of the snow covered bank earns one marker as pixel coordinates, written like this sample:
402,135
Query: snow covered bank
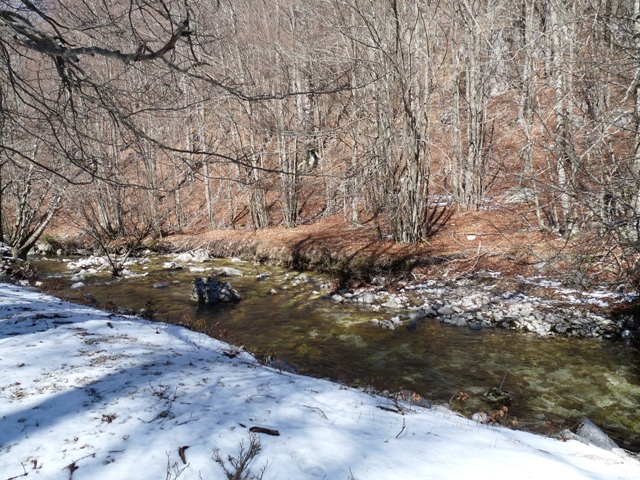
86,395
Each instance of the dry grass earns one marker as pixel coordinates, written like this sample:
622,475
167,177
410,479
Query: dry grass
499,240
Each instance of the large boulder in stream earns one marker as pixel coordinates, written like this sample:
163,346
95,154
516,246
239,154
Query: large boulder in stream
209,290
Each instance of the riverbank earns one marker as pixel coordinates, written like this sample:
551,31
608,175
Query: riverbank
484,299
291,319
87,394
470,242
480,275
475,273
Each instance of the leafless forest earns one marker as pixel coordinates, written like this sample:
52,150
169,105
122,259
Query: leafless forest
134,119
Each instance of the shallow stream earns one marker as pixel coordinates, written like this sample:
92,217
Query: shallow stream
554,382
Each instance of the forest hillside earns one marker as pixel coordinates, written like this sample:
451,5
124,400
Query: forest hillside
463,130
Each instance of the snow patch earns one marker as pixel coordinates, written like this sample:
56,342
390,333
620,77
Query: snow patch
87,393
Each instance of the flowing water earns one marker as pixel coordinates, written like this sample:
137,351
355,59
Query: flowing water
554,382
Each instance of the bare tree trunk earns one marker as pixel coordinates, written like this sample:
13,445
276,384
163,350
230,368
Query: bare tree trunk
525,112
634,230
203,146
561,77
474,16
457,170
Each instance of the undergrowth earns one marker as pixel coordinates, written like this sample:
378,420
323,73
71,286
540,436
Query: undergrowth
239,467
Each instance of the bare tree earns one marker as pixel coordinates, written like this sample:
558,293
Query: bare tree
396,41
30,192
31,198
255,113
60,41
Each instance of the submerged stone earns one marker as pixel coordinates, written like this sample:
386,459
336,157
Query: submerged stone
418,315
387,324
391,303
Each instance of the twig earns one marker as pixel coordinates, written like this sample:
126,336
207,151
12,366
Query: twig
389,409
72,467
504,378
23,475
173,475
186,421
404,424
240,465
317,410
400,432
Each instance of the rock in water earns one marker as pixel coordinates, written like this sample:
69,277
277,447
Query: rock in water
183,258
230,272
498,396
200,256
210,290
592,434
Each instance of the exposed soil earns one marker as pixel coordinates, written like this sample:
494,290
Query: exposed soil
496,239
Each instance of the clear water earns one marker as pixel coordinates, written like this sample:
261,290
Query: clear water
554,382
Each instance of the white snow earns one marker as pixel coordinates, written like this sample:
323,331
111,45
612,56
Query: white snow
88,395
